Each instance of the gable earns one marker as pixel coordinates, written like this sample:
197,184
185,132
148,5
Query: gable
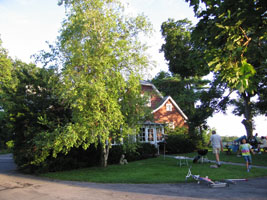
164,104
149,87
155,97
164,109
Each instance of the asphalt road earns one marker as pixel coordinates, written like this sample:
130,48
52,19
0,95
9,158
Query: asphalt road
15,186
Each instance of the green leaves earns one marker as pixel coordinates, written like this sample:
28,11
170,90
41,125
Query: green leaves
179,50
232,28
5,70
246,76
233,34
102,62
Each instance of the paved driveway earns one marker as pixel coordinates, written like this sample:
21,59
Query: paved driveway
15,186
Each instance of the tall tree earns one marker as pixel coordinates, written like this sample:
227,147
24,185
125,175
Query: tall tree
198,103
103,60
5,69
186,84
233,34
182,56
27,105
6,81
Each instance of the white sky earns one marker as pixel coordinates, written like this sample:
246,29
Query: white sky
26,25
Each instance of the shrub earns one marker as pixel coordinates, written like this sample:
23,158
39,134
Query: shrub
115,154
132,151
10,144
179,144
76,158
80,158
147,150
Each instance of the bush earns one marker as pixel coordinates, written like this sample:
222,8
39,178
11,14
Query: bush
132,151
10,144
147,150
80,158
115,154
76,158
178,144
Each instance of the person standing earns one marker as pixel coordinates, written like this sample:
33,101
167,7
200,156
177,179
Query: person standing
262,144
245,149
216,142
253,141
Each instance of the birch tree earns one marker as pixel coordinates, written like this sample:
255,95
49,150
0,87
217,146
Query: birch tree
103,60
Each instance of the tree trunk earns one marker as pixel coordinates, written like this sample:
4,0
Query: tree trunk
247,122
104,154
191,129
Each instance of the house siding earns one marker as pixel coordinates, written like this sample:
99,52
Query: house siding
154,98
164,116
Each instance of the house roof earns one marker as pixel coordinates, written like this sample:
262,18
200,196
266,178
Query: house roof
146,83
153,123
165,100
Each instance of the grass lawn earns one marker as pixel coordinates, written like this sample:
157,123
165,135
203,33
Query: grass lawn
155,170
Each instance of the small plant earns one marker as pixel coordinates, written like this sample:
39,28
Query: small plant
10,144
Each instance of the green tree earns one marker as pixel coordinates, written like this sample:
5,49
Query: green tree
186,83
27,105
182,56
198,103
102,62
6,81
5,67
233,34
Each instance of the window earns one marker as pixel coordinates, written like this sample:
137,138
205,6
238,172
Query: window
171,125
142,135
150,134
159,134
149,101
168,107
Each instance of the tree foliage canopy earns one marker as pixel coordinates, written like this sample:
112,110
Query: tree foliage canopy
183,57
233,34
102,63
186,83
5,68
88,92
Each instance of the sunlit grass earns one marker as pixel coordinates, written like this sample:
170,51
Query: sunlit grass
156,170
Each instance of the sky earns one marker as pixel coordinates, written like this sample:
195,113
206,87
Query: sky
26,25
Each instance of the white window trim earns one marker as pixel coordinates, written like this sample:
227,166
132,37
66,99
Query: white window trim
149,101
143,131
162,133
171,125
168,107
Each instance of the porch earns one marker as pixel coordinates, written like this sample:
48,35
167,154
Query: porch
152,133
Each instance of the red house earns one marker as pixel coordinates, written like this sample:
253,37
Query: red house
165,112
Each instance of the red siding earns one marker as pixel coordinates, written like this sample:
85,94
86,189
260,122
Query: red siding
164,116
155,98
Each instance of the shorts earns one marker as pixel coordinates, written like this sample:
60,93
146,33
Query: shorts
216,150
247,159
